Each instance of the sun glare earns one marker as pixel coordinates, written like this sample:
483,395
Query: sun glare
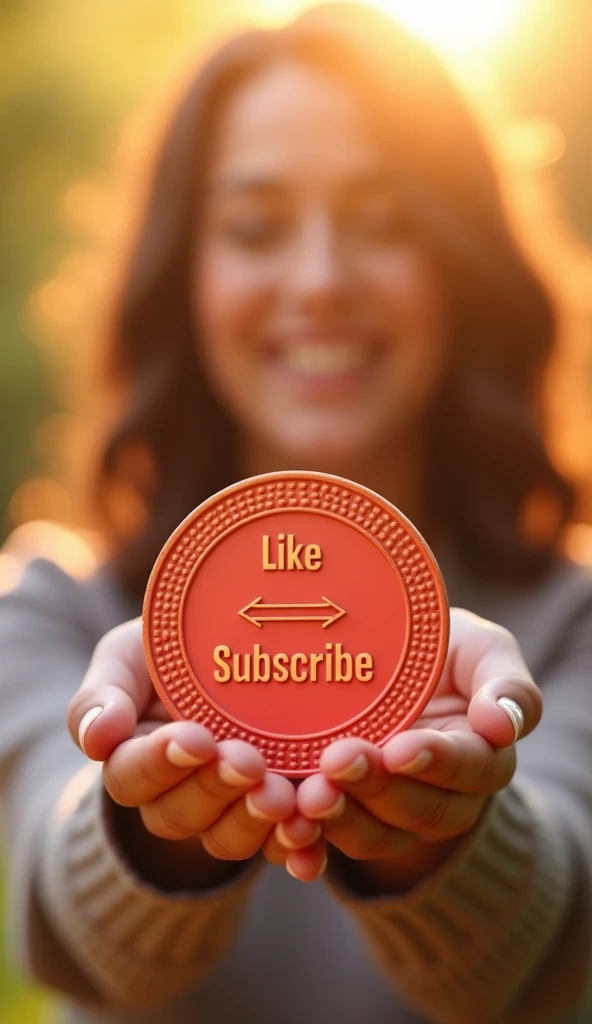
453,26
458,25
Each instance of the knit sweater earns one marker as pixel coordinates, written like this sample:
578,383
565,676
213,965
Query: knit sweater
501,931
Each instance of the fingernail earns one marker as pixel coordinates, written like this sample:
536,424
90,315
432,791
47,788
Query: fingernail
332,812
283,840
85,724
253,811
354,771
321,870
231,777
423,759
514,713
181,758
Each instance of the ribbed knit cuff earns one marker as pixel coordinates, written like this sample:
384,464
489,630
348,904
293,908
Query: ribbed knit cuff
138,945
462,944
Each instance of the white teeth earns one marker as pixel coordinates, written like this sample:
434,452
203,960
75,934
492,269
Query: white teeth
324,359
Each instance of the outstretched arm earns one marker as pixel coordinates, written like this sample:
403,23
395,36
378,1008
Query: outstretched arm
113,898
467,878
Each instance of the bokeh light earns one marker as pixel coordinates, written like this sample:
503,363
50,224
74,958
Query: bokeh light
41,496
578,544
77,552
534,142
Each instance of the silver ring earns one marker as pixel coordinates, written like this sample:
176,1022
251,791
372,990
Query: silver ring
514,713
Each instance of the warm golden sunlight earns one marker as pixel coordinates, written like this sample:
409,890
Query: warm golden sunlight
455,27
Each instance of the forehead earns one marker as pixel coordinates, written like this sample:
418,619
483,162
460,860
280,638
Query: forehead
292,121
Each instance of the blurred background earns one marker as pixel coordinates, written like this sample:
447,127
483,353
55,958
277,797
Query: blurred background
82,88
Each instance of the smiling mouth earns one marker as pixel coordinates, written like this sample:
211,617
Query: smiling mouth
326,361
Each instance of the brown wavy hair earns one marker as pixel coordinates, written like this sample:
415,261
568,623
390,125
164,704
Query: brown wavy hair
172,444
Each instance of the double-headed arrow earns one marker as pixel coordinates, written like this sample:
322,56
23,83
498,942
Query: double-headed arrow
303,612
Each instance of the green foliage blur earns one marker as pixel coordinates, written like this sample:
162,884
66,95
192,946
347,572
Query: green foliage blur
70,73
19,1004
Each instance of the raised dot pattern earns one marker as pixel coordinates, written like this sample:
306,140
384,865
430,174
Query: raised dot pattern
427,605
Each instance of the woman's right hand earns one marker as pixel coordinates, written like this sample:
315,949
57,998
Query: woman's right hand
183,783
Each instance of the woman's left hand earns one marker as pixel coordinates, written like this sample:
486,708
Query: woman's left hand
398,811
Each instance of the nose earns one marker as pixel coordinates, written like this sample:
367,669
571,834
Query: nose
317,277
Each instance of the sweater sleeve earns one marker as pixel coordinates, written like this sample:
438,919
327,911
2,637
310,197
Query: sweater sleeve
502,931
79,918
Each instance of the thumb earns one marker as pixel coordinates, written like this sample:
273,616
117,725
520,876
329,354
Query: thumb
114,693
505,709
487,666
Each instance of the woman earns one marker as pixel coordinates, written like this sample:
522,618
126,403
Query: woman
324,277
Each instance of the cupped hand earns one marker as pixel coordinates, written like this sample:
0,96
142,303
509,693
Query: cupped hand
183,783
427,786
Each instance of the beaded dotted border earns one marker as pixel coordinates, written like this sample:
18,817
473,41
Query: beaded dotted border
411,688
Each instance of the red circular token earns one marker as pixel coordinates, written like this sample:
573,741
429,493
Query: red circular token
293,609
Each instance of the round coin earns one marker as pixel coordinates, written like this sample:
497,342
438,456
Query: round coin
293,609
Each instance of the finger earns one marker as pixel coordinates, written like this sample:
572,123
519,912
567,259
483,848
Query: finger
273,851
485,663
505,710
142,768
403,803
362,836
295,833
349,826
460,761
114,693
191,807
349,761
358,833
241,831
308,864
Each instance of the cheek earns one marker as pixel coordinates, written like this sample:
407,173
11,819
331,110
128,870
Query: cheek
413,303
229,297
409,293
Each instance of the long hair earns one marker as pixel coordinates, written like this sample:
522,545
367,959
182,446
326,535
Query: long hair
486,452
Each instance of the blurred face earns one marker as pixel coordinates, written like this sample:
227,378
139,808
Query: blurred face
319,318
